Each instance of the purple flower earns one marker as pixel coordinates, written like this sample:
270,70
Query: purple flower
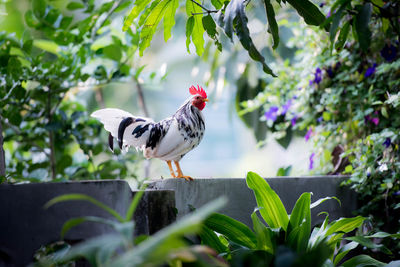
286,107
330,72
308,134
375,121
389,52
370,71
396,193
294,120
387,142
311,165
272,113
318,76
319,119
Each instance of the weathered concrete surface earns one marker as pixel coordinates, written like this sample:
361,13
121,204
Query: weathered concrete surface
25,225
242,202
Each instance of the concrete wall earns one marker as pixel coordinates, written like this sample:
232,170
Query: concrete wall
25,225
242,201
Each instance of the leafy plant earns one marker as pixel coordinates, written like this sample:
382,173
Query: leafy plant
123,249
230,16
289,239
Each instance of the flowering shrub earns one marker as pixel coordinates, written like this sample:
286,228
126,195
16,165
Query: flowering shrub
345,98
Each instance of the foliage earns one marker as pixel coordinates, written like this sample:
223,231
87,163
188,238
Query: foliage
344,96
122,248
230,16
288,240
47,133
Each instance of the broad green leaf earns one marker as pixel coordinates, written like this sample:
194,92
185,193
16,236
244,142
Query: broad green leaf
169,18
189,30
75,5
217,3
79,220
30,19
361,261
75,197
156,248
271,207
113,52
151,23
140,5
383,235
345,225
366,242
265,236
322,200
232,229
210,26
209,238
361,25
235,11
310,12
198,30
299,227
335,23
272,24
48,46
39,8
343,251
344,32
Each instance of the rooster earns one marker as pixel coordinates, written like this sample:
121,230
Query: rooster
169,139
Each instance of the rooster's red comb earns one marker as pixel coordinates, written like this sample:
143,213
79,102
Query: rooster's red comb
199,90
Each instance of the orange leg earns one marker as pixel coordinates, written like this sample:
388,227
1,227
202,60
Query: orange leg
180,174
170,169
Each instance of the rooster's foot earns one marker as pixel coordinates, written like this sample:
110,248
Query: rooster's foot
187,178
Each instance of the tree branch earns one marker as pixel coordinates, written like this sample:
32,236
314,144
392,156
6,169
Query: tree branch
204,8
141,101
109,13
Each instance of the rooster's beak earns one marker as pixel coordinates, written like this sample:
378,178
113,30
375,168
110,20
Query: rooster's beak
205,99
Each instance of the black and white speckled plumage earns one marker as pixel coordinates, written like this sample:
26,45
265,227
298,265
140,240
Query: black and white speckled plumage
168,139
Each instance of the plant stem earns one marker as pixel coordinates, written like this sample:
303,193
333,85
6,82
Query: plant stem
2,154
51,139
204,8
142,103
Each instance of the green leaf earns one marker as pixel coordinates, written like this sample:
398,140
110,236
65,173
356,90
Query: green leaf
113,52
189,30
383,235
272,24
235,11
169,18
269,203
75,5
155,250
345,225
265,236
47,45
209,238
39,8
299,227
361,261
232,229
198,30
75,197
310,13
343,252
322,200
31,20
344,32
77,221
335,23
361,25
366,242
210,26
140,5
217,3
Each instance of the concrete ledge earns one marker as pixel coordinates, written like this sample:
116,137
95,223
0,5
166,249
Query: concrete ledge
25,225
242,201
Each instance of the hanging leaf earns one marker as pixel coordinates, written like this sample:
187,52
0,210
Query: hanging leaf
310,12
272,24
217,3
344,32
75,6
198,30
235,11
137,9
189,30
169,18
361,25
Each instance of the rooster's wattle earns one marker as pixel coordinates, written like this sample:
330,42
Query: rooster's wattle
169,139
